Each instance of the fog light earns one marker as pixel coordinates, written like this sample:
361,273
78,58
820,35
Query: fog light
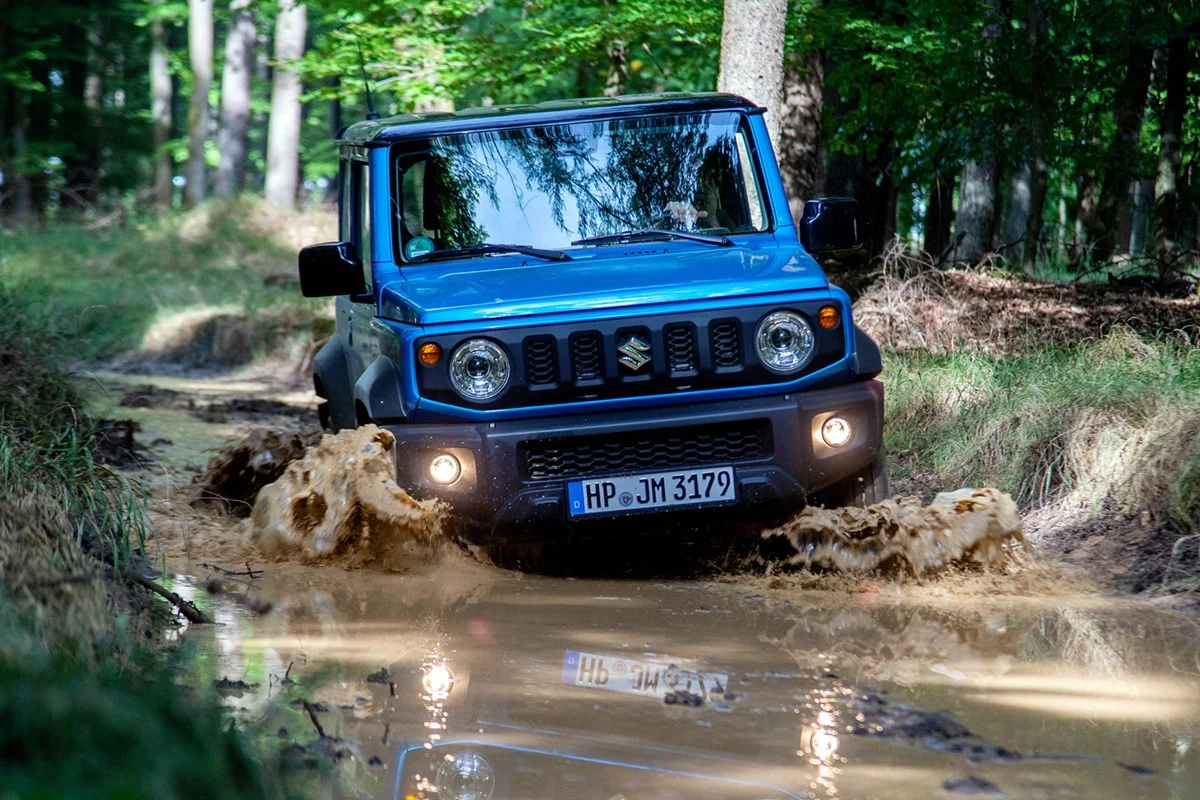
444,468
836,431
465,776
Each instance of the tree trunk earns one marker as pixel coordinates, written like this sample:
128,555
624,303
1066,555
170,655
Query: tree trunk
1016,218
22,202
800,127
1128,107
752,55
618,69
283,133
160,115
977,210
235,99
1039,169
1141,215
200,53
938,215
1166,186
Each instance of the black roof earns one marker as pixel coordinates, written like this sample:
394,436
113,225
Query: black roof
405,126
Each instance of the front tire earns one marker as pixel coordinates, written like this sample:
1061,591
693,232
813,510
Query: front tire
863,488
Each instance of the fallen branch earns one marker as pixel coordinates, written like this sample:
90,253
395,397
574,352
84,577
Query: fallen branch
186,607
313,716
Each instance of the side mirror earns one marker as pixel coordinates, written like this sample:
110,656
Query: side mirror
328,270
832,229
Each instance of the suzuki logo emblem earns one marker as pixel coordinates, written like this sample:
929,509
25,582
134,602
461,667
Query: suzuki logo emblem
635,353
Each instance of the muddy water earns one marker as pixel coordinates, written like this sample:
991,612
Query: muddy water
571,689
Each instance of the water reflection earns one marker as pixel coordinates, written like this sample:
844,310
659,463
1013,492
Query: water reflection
549,186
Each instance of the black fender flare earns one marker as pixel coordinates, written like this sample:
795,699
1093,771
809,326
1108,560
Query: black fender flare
331,381
869,362
379,393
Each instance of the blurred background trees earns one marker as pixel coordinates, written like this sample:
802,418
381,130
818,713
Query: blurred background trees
1062,133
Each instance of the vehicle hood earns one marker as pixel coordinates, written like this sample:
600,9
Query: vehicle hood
505,287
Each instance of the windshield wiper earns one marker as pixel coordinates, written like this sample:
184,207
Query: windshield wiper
620,236
488,247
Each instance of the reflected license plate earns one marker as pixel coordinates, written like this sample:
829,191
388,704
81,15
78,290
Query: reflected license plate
687,487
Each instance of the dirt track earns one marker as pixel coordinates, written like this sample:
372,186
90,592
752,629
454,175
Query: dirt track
741,685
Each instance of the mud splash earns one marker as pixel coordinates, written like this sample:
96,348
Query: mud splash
339,503
234,476
969,526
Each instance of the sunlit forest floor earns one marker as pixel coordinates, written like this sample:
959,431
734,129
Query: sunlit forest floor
1083,401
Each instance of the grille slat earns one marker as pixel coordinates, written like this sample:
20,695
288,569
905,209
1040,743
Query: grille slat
587,357
725,341
644,450
680,342
541,361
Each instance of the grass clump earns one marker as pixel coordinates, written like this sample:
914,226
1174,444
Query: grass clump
1114,420
89,709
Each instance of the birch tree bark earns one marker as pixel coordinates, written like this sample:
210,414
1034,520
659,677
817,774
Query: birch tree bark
752,55
160,114
235,99
283,131
200,54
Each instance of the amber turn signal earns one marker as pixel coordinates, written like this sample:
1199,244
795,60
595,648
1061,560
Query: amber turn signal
429,353
829,317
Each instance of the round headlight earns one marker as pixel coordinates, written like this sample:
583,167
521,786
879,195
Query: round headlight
465,776
479,370
785,341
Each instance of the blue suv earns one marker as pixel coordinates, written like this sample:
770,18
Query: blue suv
584,309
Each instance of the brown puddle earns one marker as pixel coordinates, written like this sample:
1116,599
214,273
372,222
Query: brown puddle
489,683
620,689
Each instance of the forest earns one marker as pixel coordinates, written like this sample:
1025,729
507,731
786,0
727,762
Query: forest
1059,135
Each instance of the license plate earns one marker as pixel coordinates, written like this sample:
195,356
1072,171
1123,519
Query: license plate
644,678
688,487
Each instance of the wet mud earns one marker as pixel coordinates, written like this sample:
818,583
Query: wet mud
966,527
340,502
234,477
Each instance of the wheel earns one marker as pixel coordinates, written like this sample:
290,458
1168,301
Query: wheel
866,487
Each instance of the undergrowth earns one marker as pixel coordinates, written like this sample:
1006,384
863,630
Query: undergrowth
1112,421
89,709
108,288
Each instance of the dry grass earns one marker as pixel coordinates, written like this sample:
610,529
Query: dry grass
912,306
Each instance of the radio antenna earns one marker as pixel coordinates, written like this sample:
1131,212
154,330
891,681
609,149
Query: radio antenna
362,67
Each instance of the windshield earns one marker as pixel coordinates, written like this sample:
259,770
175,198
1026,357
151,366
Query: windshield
550,186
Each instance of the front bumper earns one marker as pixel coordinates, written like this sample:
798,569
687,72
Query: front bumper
497,493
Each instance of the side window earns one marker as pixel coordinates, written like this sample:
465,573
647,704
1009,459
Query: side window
362,190
750,178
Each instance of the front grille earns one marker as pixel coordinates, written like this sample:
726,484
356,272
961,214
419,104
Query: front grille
680,340
587,357
726,342
666,448
541,362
